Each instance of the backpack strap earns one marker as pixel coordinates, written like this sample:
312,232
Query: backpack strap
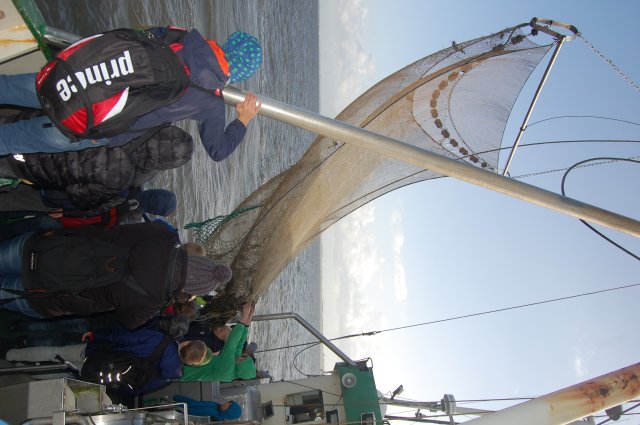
171,269
157,353
134,144
173,34
154,358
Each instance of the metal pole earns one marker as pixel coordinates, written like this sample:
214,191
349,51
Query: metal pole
523,127
307,326
572,403
422,420
33,369
435,406
438,163
59,38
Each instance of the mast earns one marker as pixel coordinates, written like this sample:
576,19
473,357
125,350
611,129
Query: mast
571,403
561,40
393,148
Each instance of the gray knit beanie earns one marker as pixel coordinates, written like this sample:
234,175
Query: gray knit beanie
204,275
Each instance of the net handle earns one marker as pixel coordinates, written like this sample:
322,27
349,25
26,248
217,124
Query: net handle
543,25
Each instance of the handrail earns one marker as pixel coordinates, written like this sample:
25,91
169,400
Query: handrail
307,326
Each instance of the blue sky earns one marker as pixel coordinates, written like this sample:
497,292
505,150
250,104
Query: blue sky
444,248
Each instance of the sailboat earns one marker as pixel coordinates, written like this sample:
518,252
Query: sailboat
345,379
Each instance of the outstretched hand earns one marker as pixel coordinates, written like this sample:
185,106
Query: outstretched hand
246,314
248,109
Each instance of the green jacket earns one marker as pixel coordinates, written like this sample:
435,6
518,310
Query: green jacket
224,367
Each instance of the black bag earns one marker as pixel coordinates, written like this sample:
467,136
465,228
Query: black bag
100,85
68,261
122,370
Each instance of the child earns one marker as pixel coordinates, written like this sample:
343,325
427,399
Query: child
210,67
201,364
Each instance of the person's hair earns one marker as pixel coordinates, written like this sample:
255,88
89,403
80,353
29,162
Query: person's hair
192,352
217,329
185,308
181,298
193,248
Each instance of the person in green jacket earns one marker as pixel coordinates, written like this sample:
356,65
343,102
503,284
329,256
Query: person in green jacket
200,364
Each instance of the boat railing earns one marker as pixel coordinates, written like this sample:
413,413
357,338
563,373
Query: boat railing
324,340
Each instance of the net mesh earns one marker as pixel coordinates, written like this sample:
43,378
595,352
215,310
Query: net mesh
455,102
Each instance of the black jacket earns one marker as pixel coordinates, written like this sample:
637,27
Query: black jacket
94,176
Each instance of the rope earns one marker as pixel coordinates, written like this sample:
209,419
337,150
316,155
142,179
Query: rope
465,316
557,170
578,164
610,62
583,116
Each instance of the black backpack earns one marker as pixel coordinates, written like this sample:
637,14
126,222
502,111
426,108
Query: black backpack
100,85
68,261
122,371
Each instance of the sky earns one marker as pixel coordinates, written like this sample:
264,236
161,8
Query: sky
444,248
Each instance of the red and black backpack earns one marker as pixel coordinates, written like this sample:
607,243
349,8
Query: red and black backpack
100,85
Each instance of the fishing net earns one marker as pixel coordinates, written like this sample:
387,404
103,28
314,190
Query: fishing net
455,102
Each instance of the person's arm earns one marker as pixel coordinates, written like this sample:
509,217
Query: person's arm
248,109
218,141
246,315
236,338
88,195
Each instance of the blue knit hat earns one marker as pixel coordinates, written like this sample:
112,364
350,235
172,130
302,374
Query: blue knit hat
157,201
244,54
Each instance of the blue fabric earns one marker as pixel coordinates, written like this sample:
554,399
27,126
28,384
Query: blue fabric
10,270
52,332
142,342
167,225
244,54
20,90
204,107
157,201
79,325
32,135
209,408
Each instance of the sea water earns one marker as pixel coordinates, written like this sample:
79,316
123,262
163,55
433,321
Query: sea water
288,31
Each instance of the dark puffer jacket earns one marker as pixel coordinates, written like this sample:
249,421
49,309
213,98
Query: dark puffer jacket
94,176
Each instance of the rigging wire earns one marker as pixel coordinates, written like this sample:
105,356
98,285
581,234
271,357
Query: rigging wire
564,177
293,361
557,170
610,62
466,316
582,116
